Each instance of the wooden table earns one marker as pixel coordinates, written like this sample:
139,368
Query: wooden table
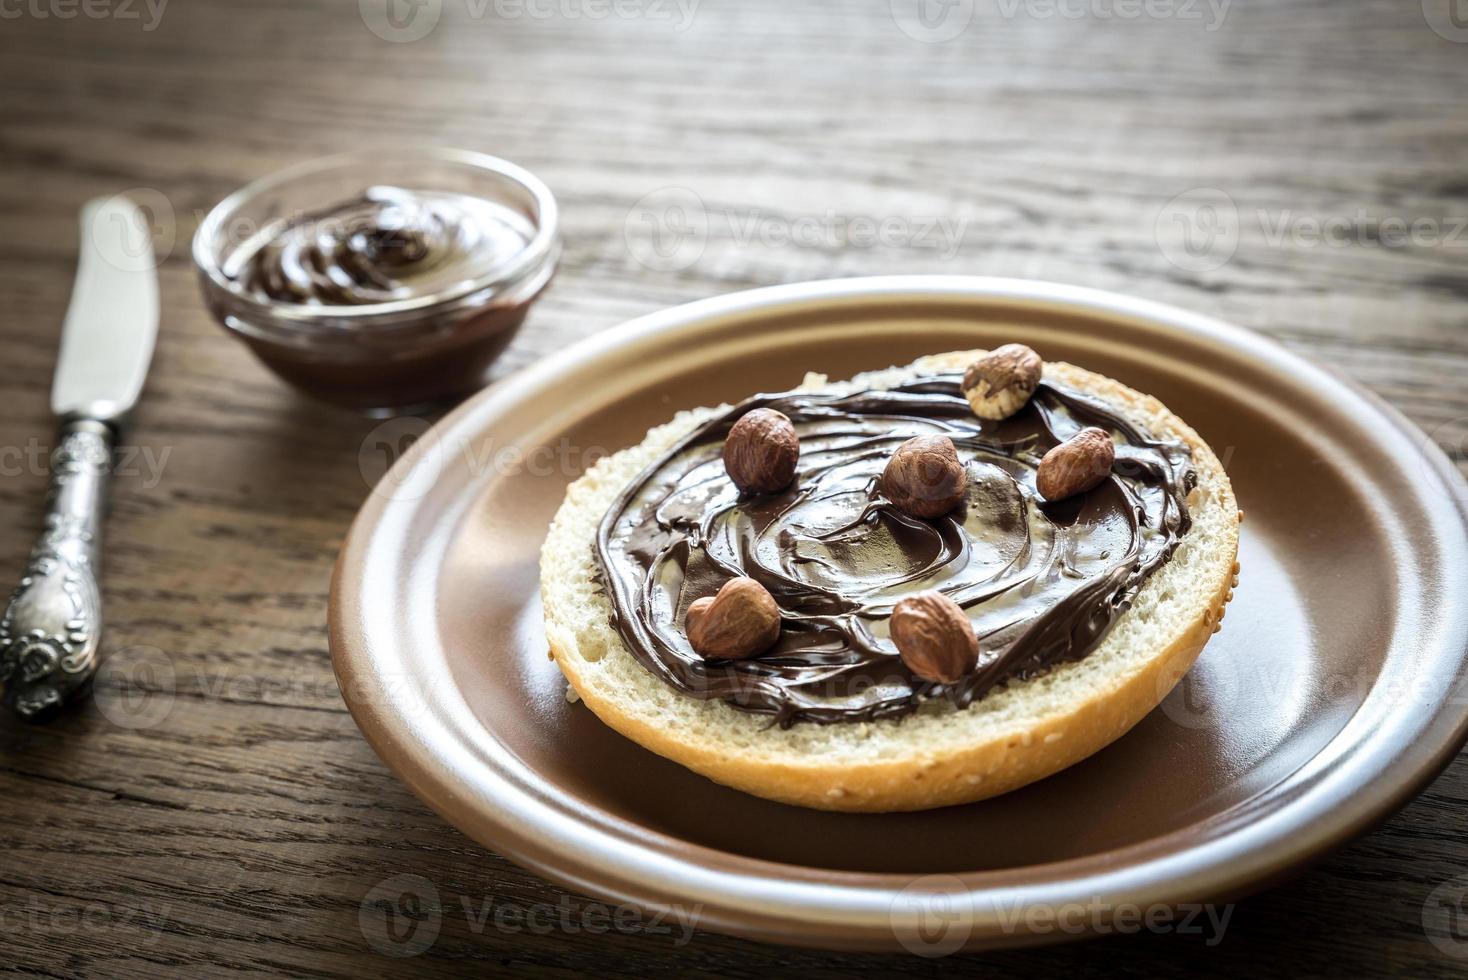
213,809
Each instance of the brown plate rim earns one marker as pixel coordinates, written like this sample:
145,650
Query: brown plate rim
423,730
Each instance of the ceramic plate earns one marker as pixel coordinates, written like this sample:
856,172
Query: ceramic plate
1332,695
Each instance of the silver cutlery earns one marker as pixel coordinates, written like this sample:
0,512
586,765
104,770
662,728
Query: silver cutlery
51,629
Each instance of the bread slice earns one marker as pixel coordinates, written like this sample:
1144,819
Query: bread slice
939,755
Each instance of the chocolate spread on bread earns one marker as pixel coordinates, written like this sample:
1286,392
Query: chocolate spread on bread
1041,582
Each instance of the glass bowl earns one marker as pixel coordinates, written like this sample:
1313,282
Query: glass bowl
419,347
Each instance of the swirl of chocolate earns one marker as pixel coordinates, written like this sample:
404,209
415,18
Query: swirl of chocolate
385,244
1041,582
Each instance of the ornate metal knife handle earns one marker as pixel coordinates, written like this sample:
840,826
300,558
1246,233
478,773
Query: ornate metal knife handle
50,630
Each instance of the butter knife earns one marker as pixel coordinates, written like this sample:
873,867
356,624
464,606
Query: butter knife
51,629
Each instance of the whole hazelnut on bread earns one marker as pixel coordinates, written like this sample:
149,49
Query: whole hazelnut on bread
761,451
925,478
1076,465
1001,382
934,637
741,620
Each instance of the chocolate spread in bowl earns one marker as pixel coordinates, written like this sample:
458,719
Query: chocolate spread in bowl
1041,582
384,245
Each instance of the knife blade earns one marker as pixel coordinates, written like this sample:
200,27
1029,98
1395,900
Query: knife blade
107,337
51,630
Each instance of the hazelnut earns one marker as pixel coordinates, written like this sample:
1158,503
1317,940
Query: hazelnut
1000,383
741,621
925,477
1076,465
761,451
934,637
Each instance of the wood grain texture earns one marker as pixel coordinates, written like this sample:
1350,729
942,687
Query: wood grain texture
236,824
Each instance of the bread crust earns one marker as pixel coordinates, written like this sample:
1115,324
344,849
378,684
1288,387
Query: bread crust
922,775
